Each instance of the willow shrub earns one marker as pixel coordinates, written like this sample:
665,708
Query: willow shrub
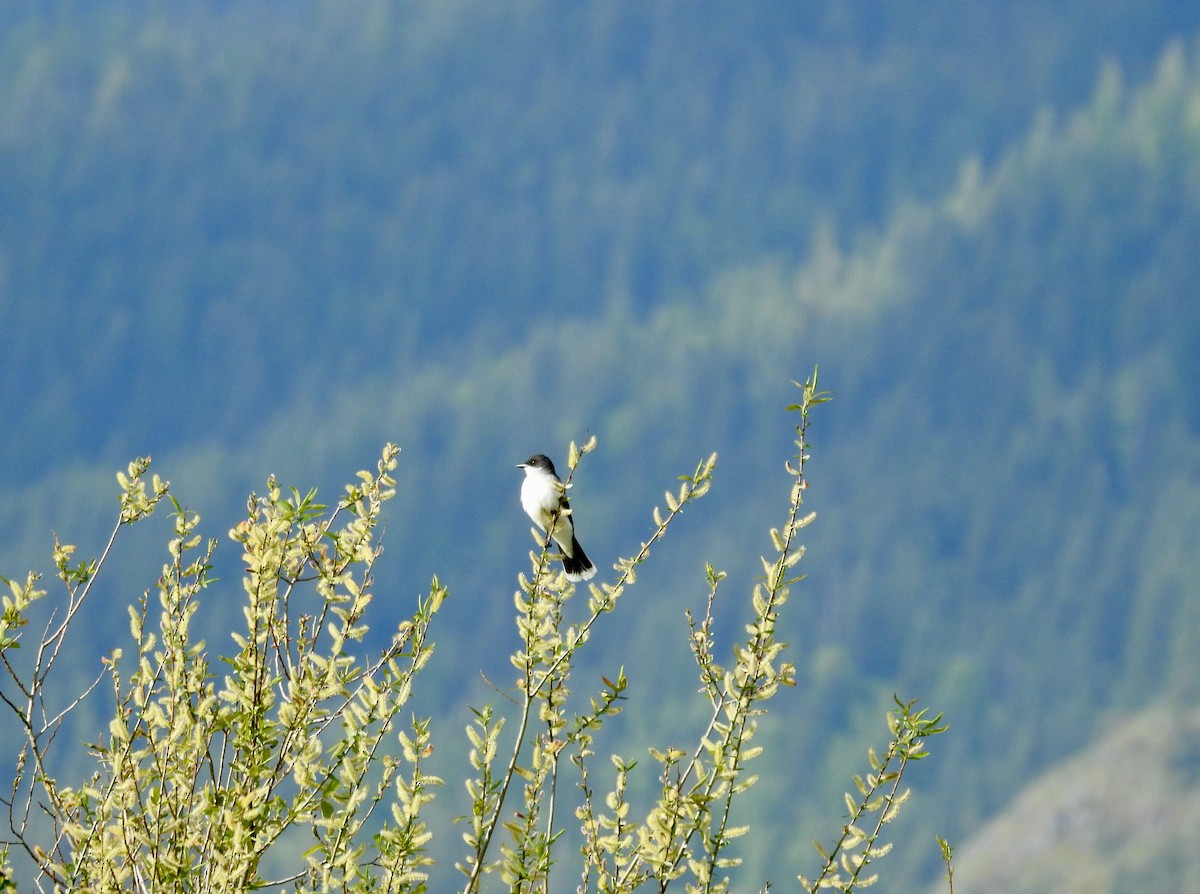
207,766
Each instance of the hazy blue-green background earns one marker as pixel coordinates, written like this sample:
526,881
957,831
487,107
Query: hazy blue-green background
267,237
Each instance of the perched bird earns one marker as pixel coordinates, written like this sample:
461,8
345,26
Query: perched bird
544,499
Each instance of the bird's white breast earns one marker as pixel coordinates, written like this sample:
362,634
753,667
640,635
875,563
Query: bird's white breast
539,497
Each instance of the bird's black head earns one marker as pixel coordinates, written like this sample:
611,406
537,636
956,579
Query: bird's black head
538,461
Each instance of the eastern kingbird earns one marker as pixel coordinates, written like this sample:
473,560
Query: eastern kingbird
544,499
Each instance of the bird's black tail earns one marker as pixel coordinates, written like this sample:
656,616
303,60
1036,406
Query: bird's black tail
577,565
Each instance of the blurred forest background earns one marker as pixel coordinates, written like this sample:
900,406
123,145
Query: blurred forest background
262,237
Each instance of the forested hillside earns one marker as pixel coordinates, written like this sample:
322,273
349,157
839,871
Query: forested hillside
207,191
254,238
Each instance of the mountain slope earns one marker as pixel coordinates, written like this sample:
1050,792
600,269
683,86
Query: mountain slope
1125,813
